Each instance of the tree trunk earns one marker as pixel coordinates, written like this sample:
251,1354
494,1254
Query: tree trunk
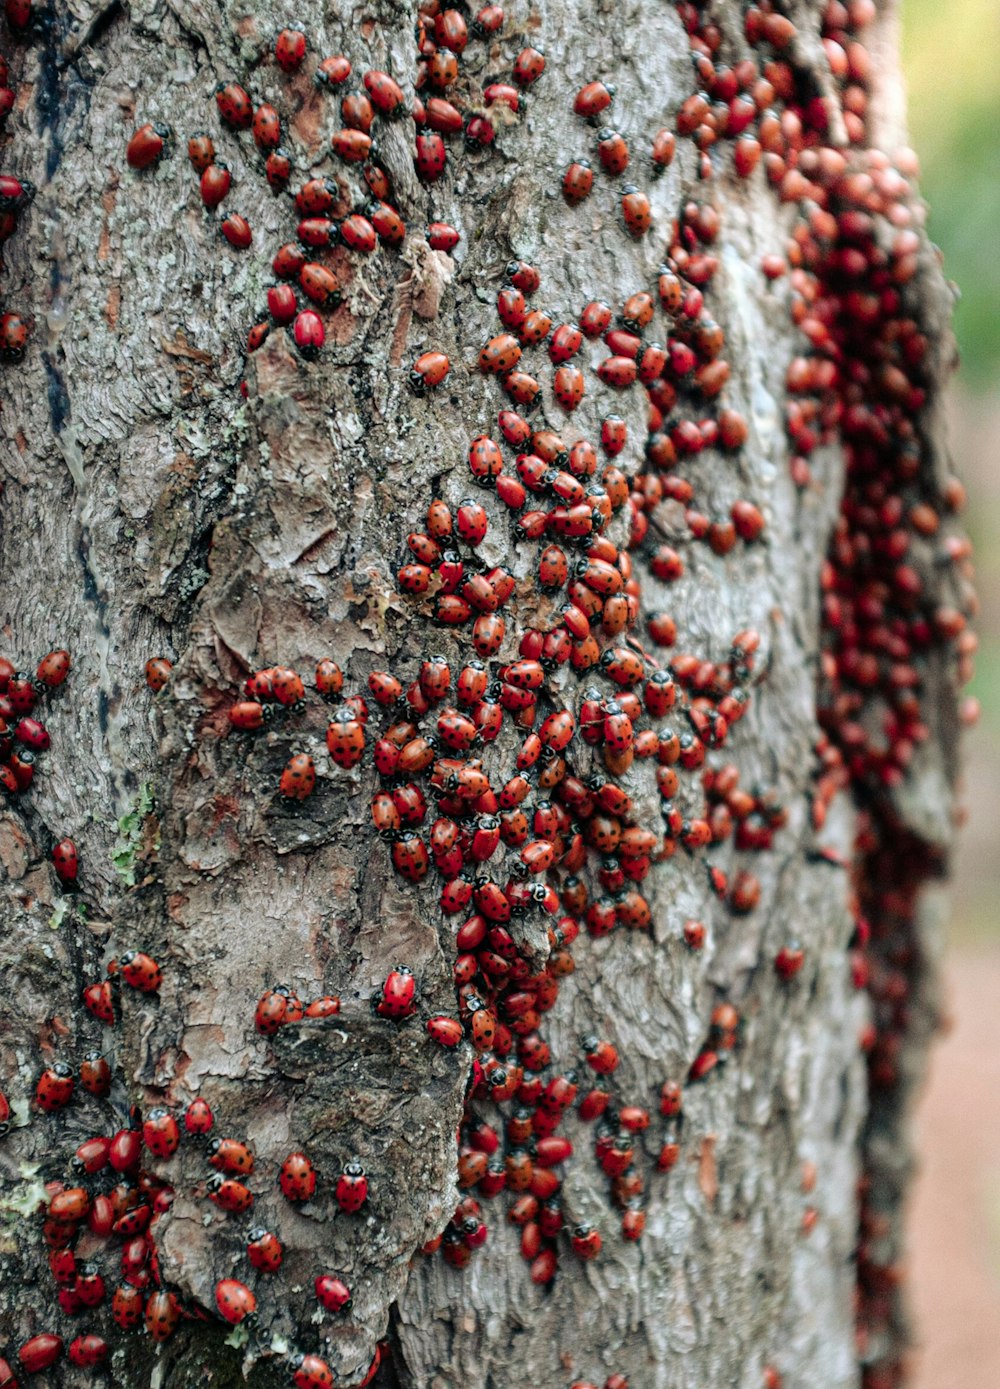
151,507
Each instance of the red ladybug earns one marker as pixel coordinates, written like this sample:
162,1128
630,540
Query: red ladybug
431,155
264,1250
358,233
345,739
214,184
148,145
500,355
333,71
442,237
198,1118
396,997
297,1178
127,1306
86,1351
353,146
55,1087
332,1292
586,1242
789,961
266,129
235,107
290,49
528,66
140,971
162,1314
97,999
311,1372
569,387
428,371
234,1300
230,1155
352,1188
636,211
447,1032
386,94
66,861
577,182
95,1073
298,780
201,151
228,1193
13,337
161,1133
278,170
40,1352
236,230
158,672
308,334
53,669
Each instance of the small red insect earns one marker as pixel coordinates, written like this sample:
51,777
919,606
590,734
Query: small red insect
234,1300
297,1178
235,107
66,861
161,1133
158,672
264,1250
396,998
95,1073
332,1292
298,780
53,669
162,1314
308,334
352,1187
198,1118
148,145
428,371
140,971
386,94
55,1087
290,49
311,1372
201,151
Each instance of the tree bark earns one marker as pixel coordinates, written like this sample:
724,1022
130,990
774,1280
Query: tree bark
149,508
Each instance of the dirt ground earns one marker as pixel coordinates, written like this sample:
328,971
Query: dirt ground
955,1216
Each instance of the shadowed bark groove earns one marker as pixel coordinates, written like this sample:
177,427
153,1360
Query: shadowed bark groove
150,507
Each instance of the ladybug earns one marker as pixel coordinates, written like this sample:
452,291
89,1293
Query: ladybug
308,334
40,1352
386,94
52,669
577,182
158,672
789,961
500,355
612,150
140,971
95,1073
352,146
237,232
97,999
85,1351
329,679
442,237
488,21
278,170
485,458
318,283
32,734
565,343
235,107
431,156
264,1250
311,1372
290,49
201,151
266,129
297,1178
528,66
234,1300
663,150
198,1118
229,1155
471,522
352,1187
332,1292
162,1315
396,997
147,145
127,1306
619,372
345,738
66,861
636,211
586,1241
428,371
447,1032
592,99
13,337
488,633
358,233
569,387
298,780
228,1193
387,222
214,184
326,1007
333,71
55,1087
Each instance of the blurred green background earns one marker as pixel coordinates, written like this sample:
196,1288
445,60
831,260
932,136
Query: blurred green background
951,54
951,57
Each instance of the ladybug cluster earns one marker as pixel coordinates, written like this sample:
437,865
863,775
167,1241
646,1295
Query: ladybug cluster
350,211
15,192
24,739
504,771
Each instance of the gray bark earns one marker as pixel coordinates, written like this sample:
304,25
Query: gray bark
148,509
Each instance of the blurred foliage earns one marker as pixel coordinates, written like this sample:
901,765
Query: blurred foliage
950,55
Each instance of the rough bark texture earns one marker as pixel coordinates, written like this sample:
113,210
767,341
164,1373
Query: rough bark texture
148,509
